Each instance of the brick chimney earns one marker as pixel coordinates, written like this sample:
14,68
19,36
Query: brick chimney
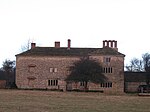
57,44
33,45
69,44
110,43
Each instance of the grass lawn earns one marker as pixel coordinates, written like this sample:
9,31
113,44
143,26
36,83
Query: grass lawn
48,101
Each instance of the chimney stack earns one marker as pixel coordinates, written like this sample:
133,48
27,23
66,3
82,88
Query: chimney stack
57,44
69,44
115,44
110,43
33,45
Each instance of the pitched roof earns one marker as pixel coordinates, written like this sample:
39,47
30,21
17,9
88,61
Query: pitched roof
63,51
135,76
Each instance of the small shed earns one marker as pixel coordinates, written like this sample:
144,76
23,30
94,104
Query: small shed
132,81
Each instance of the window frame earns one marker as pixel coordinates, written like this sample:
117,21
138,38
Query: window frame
53,82
108,70
83,83
53,70
107,59
106,85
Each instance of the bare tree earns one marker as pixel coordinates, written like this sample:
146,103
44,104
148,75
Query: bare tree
146,61
139,65
26,46
136,65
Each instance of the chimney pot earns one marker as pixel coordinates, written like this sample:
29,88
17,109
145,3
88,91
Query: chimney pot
57,44
104,43
115,44
108,43
69,43
33,45
112,44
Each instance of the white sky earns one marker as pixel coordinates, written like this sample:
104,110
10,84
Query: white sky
86,22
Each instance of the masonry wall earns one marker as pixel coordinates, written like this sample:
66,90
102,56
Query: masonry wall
35,72
117,75
133,86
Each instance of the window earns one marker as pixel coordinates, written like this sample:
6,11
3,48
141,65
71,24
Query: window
53,82
106,85
31,68
83,83
107,59
107,70
110,70
53,70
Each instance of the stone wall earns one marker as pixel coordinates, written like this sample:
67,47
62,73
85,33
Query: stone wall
117,75
133,86
37,72
40,69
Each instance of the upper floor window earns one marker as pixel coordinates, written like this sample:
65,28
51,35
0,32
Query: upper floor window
31,68
53,70
107,70
107,59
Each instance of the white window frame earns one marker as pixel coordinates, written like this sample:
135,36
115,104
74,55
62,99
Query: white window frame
51,70
55,70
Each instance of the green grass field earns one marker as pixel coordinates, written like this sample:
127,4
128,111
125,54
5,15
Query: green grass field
48,101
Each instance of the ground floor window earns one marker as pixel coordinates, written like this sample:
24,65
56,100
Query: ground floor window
83,83
106,84
53,82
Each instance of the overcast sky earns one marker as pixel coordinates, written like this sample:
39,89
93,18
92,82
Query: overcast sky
86,22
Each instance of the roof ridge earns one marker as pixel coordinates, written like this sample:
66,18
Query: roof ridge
63,51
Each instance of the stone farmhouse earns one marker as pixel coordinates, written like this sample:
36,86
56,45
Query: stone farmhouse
48,67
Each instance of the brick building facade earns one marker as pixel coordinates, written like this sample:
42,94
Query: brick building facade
48,67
